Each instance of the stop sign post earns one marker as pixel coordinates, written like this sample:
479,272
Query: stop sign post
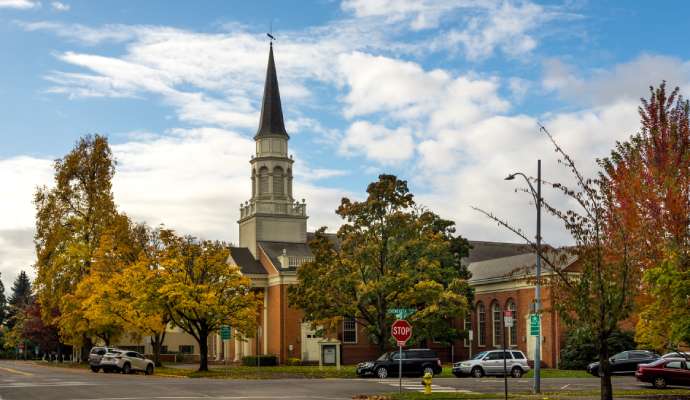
401,330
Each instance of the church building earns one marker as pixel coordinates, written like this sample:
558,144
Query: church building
273,243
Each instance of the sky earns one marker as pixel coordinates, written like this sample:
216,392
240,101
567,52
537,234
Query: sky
447,95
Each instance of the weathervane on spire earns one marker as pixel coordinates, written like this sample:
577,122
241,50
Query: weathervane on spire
270,33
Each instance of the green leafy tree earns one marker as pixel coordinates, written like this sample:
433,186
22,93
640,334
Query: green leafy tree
390,254
580,350
201,291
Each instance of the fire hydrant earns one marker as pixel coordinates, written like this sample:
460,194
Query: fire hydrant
426,381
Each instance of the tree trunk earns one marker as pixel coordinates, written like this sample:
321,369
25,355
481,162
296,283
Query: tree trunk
605,380
85,349
157,343
203,351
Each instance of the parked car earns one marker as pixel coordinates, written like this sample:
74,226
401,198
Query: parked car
625,362
126,361
414,362
677,354
491,363
665,371
95,356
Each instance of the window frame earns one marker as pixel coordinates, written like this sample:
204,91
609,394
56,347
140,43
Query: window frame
354,322
496,322
481,324
467,325
512,331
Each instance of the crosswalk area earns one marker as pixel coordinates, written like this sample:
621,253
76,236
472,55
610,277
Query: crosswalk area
416,386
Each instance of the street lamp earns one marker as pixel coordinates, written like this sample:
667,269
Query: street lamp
537,290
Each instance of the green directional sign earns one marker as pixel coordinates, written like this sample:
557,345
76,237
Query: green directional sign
534,324
225,332
401,313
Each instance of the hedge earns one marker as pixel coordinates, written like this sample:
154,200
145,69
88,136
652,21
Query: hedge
265,360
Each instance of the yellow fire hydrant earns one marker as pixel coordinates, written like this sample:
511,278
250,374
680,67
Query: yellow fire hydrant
426,381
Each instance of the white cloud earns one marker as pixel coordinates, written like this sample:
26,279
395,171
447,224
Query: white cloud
20,4
387,146
625,81
58,6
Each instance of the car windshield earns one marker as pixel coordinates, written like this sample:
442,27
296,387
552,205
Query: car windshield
479,356
383,357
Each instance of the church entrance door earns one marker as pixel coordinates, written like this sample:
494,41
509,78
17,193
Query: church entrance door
310,343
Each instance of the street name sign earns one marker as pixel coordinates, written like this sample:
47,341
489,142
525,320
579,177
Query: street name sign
401,331
401,313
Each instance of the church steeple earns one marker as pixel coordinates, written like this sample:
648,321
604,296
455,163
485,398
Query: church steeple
271,122
272,214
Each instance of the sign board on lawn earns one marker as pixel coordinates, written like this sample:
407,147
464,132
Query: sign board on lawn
534,324
508,319
401,331
225,332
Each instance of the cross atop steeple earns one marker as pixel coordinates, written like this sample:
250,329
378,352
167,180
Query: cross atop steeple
271,122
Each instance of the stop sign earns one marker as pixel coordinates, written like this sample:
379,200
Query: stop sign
401,331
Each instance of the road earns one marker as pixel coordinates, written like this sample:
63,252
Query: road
27,381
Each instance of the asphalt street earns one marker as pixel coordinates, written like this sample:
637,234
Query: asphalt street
26,381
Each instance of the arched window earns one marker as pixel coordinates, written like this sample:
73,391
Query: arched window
467,327
481,324
497,323
512,331
289,183
278,186
253,182
263,181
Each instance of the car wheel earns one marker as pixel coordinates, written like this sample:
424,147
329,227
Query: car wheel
516,372
149,370
428,370
659,382
477,372
95,369
382,372
126,369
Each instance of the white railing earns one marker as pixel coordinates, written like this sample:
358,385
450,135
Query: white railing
250,208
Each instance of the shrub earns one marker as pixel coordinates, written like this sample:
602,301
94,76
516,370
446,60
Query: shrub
265,360
580,347
294,361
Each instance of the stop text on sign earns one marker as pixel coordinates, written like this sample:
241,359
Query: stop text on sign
401,331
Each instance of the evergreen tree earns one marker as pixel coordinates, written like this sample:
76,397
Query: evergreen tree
21,291
3,304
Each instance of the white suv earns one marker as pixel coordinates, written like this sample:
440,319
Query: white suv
491,363
126,361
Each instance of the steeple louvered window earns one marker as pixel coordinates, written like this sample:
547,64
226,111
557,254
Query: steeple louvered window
278,182
263,181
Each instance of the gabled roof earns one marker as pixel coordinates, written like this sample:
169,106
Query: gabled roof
275,249
482,250
271,122
242,257
516,267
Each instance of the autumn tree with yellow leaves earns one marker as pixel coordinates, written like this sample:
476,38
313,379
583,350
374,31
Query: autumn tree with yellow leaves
201,291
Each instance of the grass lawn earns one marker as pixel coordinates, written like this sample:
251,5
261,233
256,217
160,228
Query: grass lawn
302,371
277,372
617,394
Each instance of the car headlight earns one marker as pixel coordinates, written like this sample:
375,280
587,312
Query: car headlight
367,364
465,364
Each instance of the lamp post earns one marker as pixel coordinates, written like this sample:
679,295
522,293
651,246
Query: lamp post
537,290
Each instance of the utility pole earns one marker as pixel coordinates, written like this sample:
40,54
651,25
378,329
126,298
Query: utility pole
537,289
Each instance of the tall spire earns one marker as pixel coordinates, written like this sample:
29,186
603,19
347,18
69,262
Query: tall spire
271,122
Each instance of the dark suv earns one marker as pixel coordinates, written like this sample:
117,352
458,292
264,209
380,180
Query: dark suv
625,362
414,362
95,356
